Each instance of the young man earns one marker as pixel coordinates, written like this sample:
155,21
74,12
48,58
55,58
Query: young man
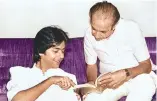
123,54
45,81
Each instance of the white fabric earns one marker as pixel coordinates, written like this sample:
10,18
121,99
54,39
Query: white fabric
123,49
24,78
141,88
154,67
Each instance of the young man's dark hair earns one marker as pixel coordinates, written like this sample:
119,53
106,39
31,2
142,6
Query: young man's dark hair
48,37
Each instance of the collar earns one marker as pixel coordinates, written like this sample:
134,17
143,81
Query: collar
49,72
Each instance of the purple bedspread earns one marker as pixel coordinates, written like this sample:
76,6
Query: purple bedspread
19,51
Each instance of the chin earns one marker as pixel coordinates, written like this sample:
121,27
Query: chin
54,65
98,39
57,65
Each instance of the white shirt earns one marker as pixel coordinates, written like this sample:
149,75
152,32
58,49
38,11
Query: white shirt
24,78
125,48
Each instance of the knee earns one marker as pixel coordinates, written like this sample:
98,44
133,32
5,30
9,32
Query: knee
144,79
143,83
144,75
92,97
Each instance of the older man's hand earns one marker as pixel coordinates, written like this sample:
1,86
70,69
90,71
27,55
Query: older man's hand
112,80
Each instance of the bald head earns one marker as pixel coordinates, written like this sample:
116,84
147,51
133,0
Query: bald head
104,10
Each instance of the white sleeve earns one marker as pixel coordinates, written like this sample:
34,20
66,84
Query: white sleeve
138,44
90,54
15,84
60,72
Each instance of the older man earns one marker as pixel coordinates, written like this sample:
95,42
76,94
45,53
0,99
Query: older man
123,54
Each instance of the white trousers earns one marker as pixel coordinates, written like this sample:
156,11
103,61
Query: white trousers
140,88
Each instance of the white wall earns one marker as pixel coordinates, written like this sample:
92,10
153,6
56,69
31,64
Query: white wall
24,18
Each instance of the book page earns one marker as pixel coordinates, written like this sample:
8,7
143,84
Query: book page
88,88
86,85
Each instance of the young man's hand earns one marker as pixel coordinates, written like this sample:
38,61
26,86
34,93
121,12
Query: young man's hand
64,82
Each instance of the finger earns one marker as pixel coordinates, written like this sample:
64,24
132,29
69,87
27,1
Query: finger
72,83
67,84
118,84
105,81
105,76
103,85
60,83
84,96
63,83
110,85
114,86
101,89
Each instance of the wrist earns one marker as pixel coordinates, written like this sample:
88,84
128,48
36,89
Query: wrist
128,74
52,80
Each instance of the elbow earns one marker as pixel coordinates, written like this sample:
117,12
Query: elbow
20,96
15,99
146,66
149,67
18,99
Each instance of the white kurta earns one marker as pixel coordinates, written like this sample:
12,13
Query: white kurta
24,78
123,49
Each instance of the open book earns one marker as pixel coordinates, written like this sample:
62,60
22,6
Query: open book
88,88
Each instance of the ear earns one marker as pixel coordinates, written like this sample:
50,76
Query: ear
41,54
113,28
90,20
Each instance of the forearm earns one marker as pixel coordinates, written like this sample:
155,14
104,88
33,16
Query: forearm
92,73
33,93
143,67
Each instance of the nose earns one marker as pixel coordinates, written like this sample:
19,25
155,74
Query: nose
94,33
61,54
